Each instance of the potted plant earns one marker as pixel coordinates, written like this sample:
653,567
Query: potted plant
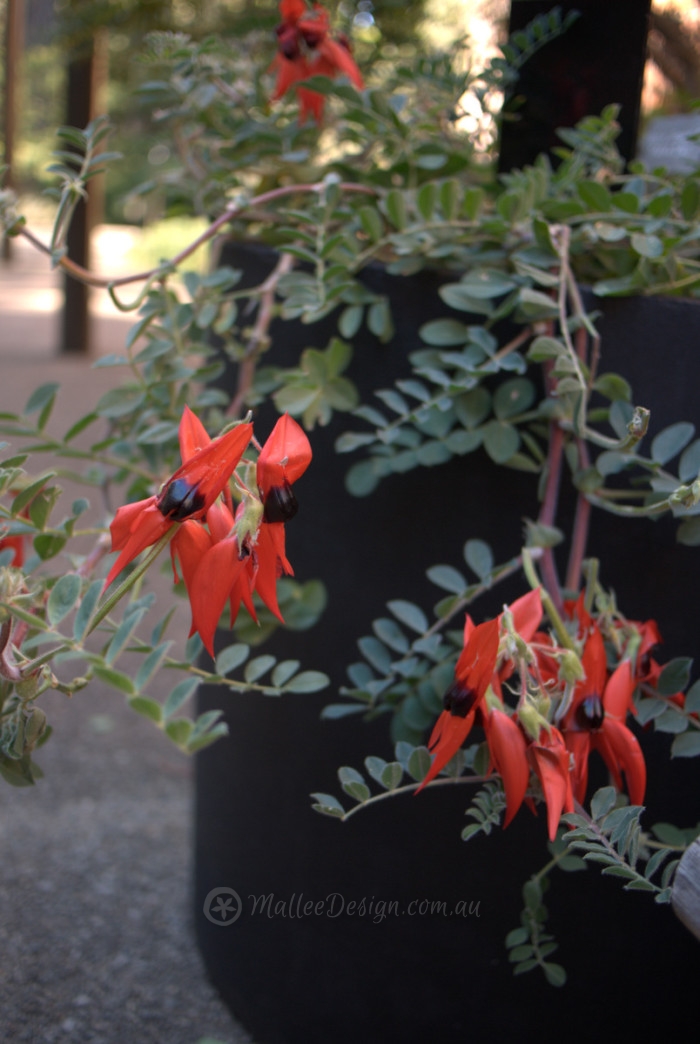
394,301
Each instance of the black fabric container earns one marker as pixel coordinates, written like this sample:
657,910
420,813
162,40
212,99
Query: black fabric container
299,977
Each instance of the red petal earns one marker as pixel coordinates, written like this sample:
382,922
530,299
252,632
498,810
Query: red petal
220,522
190,544
212,584
287,443
124,521
509,754
477,662
579,744
16,543
292,10
527,614
271,563
340,60
289,72
192,434
212,467
617,700
448,736
621,751
595,668
551,763
148,527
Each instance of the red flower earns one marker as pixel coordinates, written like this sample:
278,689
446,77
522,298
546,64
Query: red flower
306,49
16,543
550,760
508,750
596,721
473,673
188,494
248,554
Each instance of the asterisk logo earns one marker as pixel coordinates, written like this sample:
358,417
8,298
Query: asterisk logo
222,906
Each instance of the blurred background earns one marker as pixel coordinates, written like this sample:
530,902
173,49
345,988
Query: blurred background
65,61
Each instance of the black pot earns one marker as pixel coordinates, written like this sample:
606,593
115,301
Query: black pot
293,975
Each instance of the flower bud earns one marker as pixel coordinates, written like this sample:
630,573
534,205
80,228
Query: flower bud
571,668
532,721
34,728
248,519
27,687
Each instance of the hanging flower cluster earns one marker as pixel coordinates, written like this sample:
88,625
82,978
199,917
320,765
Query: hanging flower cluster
222,556
304,49
569,705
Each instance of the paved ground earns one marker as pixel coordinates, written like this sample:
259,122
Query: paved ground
96,941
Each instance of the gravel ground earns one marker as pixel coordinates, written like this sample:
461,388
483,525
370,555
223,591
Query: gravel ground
96,932
95,921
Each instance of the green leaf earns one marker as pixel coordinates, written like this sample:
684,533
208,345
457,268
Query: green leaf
516,937
117,680
675,676
307,681
258,666
350,320
395,207
29,492
692,698
284,671
671,441
554,973
688,532
501,441
362,478
613,387
487,283
687,745
391,776
64,595
179,695
444,332
147,707
671,721
594,195
479,558
121,401
48,545
388,632
179,731
230,658
536,305
123,633
371,222
151,664
409,614
689,464
79,426
647,245
602,802
328,805
668,834
42,398
86,609
543,348
448,578
419,763
513,397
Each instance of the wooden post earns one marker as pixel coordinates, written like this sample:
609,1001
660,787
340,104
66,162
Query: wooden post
14,46
598,61
86,75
